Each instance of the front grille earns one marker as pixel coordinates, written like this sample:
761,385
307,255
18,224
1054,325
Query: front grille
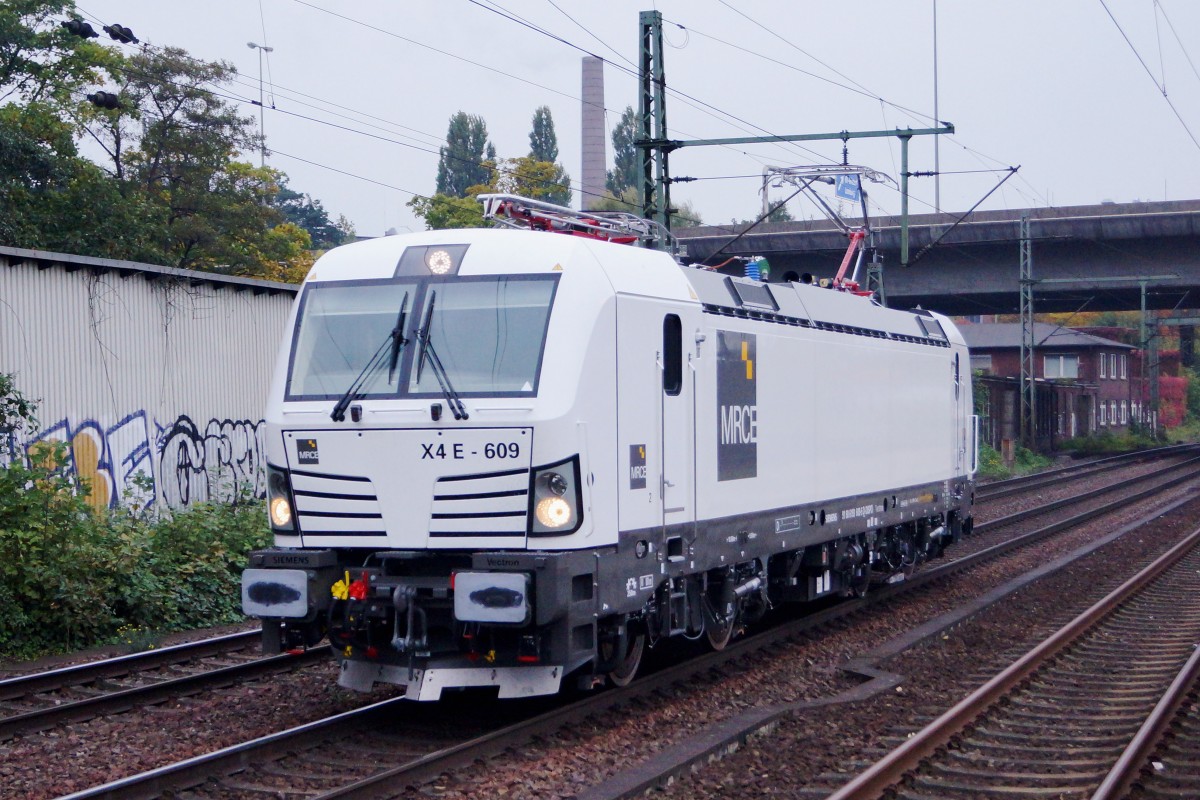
336,505
492,504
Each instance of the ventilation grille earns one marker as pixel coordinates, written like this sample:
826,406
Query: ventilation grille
492,504
336,505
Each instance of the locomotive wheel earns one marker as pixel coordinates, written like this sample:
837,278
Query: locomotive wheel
720,633
623,674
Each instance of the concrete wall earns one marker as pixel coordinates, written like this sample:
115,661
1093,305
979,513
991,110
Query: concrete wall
152,376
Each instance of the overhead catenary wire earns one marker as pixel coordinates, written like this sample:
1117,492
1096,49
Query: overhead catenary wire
1157,84
1175,33
471,61
860,88
228,95
688,99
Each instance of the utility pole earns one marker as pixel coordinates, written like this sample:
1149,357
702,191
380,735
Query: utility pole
1028,362
655,146
655,190
1149,341
262,153
937,168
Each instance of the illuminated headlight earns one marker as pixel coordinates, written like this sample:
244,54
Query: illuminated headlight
553,512
279,500
281,512
438,261
556,499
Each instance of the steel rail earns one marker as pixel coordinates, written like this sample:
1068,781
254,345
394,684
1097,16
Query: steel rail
77,674
997,489
154,783
1079,498
1123,774
124,699
888,771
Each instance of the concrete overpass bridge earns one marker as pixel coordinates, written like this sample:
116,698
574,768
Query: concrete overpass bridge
975,269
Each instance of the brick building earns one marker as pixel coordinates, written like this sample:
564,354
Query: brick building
1085,383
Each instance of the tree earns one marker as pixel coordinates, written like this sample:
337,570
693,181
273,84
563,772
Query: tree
543,150
685,215
543,143
443,211
175,143
40,62
779,213
52,199
537,180
310,214
627,159
170,188
461,162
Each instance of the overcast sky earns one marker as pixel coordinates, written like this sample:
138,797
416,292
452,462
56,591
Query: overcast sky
1051,85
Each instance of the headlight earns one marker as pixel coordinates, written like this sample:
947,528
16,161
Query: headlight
553,512
439,261
281,512
279,500
556,499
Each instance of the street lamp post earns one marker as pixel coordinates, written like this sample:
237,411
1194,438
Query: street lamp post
261,48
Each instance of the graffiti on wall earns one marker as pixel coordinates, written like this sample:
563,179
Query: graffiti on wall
137,460
210,464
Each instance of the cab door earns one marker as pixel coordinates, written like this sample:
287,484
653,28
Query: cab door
655,415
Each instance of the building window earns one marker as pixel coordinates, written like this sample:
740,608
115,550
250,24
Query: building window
1124,412
1103,413
1112,411
1061,366
981,364
1124,366
1103,365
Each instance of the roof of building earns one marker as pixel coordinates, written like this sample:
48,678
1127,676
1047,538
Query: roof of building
1000,335
71,263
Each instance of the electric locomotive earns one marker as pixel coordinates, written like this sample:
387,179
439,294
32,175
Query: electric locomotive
510,458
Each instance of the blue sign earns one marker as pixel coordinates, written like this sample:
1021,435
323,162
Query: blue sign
848,187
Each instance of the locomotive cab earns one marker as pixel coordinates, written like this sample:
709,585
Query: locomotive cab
438,417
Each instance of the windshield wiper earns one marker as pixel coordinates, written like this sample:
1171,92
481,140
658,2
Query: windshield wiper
435,363
395,339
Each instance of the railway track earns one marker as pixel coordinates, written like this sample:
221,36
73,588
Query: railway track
1055,722
35,702
1005,488
1160,764
301,758
40,700
1155,480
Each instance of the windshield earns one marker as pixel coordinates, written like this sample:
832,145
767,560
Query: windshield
487,331
488,335
339,329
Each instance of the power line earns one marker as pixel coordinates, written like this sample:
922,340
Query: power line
1175,33
694,101
446,53
347,174
1161,88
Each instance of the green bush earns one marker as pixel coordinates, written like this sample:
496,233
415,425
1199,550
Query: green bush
1025,461
71,577
1107,443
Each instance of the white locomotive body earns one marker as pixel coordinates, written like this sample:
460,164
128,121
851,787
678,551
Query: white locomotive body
558,449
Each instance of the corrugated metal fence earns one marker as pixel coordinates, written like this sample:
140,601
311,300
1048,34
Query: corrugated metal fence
155,378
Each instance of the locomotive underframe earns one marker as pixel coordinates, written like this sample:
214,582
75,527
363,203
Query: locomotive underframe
584,604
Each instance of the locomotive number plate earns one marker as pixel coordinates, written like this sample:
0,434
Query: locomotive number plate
498,446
